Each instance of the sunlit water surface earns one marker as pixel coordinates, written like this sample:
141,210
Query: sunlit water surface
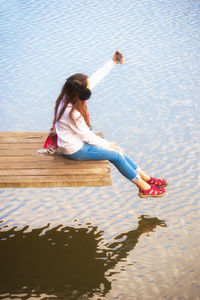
105,242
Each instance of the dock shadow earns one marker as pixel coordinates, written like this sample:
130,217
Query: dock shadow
65,262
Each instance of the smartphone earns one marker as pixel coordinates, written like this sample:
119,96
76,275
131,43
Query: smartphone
118,56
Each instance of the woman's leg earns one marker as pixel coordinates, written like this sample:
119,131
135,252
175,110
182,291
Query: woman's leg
125,166
144,176
140,183
159,183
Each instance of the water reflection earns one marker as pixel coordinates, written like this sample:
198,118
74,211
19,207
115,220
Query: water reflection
63,261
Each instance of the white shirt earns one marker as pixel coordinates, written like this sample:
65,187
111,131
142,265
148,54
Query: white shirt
73,133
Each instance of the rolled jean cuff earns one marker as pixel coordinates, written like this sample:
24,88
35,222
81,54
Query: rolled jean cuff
136,178
138,169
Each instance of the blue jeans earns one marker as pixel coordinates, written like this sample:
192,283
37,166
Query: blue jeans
123,163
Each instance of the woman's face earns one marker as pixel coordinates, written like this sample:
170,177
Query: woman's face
88,83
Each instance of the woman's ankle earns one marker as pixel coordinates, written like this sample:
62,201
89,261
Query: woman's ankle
142,184
143,175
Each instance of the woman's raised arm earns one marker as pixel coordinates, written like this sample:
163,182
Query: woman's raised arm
103,71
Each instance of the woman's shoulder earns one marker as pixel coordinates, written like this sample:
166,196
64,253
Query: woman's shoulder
76,114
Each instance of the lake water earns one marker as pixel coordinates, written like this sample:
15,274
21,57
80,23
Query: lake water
105,242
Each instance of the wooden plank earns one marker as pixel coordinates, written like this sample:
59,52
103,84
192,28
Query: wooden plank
89,165
26,138
54,171
9,146
21,152
17,152
54,181
49,178
53,184
47,158
22,166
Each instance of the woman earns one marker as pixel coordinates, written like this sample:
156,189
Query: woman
78,142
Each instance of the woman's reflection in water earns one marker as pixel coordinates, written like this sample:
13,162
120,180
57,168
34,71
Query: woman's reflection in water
63,261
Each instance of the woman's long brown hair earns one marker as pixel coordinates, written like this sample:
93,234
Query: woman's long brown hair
71,95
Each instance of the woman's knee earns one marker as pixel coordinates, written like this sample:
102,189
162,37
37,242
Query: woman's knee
116,157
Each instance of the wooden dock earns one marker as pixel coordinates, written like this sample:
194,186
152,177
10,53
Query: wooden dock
22,166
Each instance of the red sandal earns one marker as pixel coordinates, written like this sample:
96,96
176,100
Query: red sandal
152,192
158,182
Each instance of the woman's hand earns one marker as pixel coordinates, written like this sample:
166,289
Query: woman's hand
52,131
118,57
115,147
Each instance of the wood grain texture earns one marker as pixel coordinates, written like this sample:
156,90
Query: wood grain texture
22,166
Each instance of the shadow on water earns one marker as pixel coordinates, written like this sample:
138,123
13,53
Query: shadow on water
63,261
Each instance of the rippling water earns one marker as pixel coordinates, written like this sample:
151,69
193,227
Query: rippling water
105,243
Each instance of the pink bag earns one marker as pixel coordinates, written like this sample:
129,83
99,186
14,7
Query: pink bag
50,144
51,141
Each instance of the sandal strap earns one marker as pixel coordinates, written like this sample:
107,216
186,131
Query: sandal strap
154,191
156,181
